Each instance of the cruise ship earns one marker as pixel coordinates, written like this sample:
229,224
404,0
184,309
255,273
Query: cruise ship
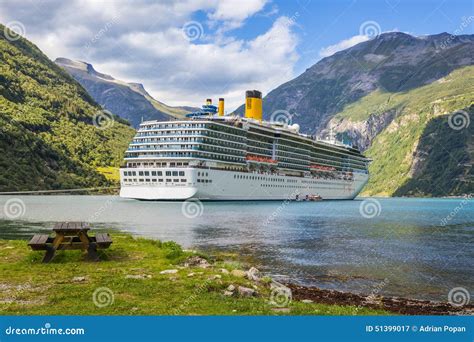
213,156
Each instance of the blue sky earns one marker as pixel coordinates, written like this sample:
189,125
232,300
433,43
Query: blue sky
187,50
324,23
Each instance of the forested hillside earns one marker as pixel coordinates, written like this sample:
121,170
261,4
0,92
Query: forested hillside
52,133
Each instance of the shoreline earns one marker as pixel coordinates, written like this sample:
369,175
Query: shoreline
397,305
207,285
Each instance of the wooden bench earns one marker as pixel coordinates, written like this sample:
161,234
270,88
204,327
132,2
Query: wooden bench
103,240
39,242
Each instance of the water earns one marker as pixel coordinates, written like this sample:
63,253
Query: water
408,248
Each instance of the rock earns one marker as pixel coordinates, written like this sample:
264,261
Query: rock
306,301
192,274
134,309
137,276
246,292
231,288
253,274
238,273
169,272
223,270
79,279
214,277
228,293
197,261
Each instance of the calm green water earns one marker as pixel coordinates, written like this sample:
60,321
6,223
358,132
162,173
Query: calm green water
409,248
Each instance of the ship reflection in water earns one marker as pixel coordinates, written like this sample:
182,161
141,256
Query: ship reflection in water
400,247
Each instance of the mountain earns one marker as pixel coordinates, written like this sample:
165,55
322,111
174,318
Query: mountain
128,100
53,135
392,96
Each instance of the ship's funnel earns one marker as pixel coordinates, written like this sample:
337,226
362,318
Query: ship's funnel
253,105
221,107
209,101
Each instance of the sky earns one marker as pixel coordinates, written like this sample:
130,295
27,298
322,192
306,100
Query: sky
186,51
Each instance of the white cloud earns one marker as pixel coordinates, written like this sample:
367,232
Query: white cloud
342,45
143,41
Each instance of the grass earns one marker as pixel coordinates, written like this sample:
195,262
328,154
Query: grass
110,172
32,288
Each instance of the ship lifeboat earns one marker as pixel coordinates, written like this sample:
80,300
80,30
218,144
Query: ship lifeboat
317,167
259,159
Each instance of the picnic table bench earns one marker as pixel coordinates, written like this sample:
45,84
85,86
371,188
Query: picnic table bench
70,235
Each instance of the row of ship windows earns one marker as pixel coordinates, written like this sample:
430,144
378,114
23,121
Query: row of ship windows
154,180
153,173
161,180
281,180
172,125
157,164
287,186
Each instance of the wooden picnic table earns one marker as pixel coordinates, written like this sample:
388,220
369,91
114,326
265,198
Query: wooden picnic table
70,235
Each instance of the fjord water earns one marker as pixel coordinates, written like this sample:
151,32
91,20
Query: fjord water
417,248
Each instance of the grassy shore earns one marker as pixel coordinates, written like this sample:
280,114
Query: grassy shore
129,281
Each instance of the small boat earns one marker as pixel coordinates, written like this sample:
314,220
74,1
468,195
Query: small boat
314,198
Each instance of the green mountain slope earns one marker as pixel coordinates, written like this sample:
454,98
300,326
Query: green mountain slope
417,152
128,100
47,134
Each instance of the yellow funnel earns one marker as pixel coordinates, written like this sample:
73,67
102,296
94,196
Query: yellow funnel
253,105
221,107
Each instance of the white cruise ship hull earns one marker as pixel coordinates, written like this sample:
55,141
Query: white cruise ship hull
213,185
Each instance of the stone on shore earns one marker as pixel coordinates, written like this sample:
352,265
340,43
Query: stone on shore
246,292
79,279
253,274
138,276
197,261
238,273
169,272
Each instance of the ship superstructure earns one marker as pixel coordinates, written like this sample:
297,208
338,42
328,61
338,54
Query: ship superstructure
212,156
